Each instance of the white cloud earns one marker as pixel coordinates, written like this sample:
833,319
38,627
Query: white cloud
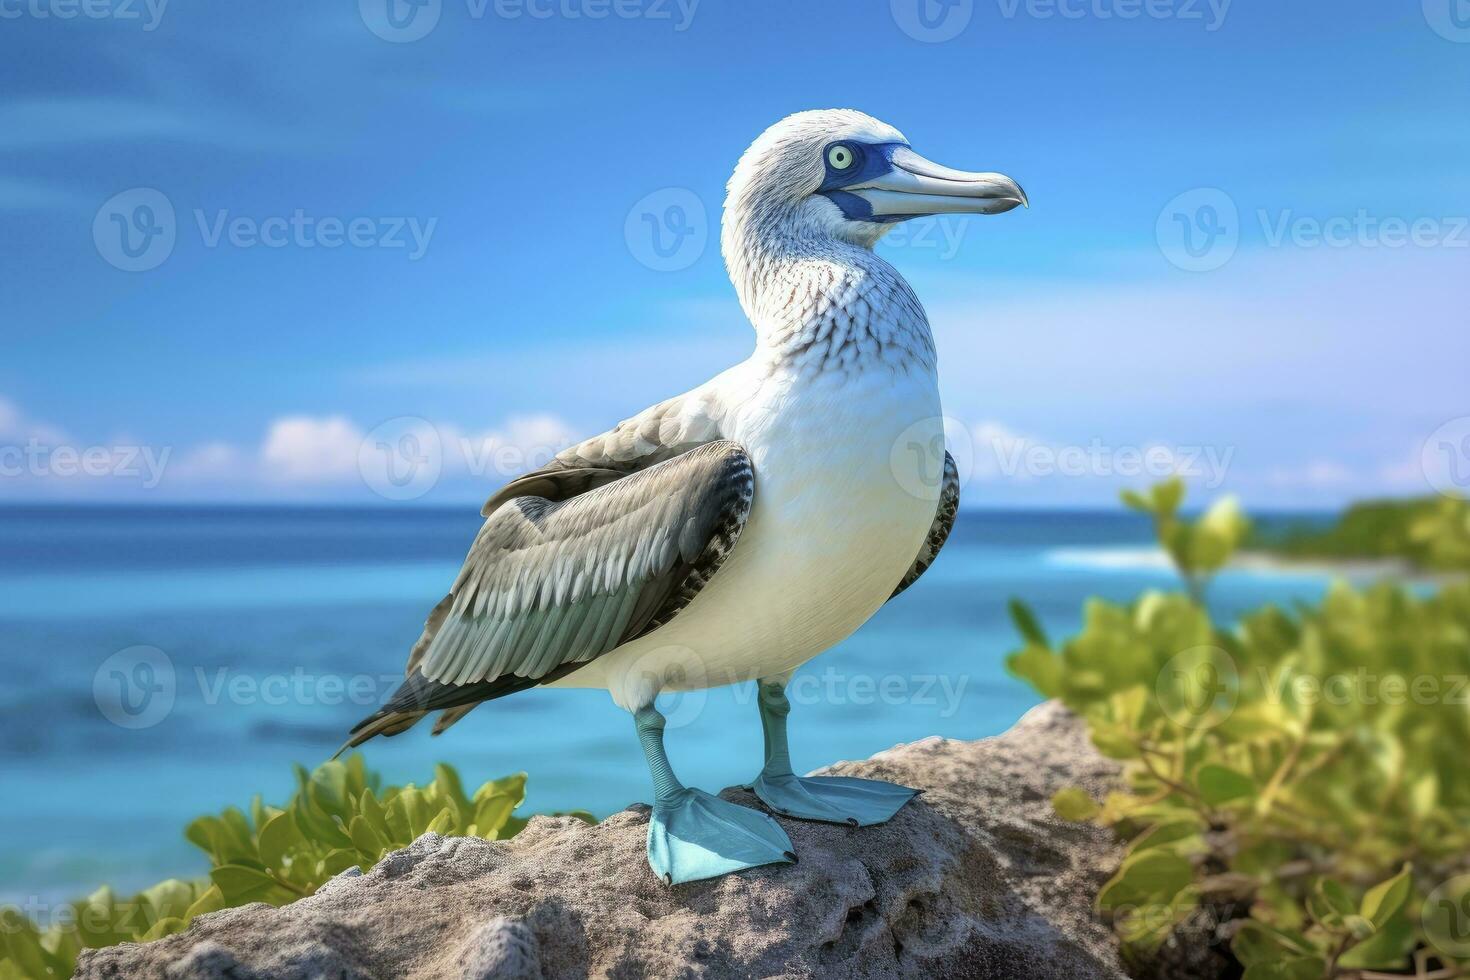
298,455
302,449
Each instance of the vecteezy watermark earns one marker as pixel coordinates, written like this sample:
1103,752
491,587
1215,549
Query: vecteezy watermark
403,458
223,685
1450,19
1364,687
1019,457
916,457
138,687
838,687
400,21
1445,458
942,234
1199,230
1445,916
1362,230
136,230
39,459
932,21
1198,687
667,230
1210,14
302,230
148,13
135,688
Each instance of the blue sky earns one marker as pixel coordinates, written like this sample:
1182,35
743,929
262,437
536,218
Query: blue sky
497,168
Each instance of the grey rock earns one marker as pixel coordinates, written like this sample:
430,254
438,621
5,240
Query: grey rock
975,879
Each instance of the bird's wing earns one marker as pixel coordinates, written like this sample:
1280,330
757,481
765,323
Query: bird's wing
551,584
949,505
655,434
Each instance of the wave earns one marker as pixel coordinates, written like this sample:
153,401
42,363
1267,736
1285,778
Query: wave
1110,559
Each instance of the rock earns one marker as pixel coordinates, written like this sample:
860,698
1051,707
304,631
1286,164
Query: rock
975,879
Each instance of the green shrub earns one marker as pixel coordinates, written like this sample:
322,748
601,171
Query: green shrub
1431,533
339,818
1301,771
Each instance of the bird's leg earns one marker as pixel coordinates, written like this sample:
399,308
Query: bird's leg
836,799
694,835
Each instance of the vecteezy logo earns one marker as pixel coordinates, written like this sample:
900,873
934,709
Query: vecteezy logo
1445,458
1450,19
1446,917
135,231
135,688
667,230
401,459
932,21
1199,230
400,21
916,458
1198,687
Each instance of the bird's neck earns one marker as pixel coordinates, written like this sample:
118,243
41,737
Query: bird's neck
819,303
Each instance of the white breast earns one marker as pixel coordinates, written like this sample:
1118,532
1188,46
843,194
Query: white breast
841,509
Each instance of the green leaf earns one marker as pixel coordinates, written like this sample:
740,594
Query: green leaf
240,885
372,811
276,838
1137,501
163,927
1168,495
366,839
1300,968
1220,784
1027,624
1386,949
1383,900
1256,943
210,900
22,944
168,899
1336,896
1038,667
1150,878
339,861
1073,803
1169,834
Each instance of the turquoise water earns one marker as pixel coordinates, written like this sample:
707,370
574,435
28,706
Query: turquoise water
267,632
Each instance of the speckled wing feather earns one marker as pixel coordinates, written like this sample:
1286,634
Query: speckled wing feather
949,505
552,584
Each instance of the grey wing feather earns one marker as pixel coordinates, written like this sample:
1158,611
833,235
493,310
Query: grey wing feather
949,505
668,429
552,584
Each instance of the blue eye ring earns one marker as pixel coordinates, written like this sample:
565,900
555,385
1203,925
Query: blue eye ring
841,157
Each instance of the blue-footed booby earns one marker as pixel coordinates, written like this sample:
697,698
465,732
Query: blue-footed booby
733,532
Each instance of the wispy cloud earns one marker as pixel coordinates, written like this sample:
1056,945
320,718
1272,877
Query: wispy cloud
328,457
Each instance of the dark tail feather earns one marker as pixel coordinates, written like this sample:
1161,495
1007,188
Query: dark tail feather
450,716
383,723
418,695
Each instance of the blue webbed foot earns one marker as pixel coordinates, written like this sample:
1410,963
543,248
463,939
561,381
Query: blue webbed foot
694,835
835,799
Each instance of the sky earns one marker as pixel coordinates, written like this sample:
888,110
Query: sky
353,252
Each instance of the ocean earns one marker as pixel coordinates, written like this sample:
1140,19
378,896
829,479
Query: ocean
164,662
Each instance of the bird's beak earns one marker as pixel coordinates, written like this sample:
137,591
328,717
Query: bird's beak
915,186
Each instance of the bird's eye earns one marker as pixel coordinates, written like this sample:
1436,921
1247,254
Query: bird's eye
840,157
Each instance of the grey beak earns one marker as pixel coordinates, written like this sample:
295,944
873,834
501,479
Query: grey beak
917,186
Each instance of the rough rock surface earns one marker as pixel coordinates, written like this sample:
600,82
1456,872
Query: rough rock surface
974,879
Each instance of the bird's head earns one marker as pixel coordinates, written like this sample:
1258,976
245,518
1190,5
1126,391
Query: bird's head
842,174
